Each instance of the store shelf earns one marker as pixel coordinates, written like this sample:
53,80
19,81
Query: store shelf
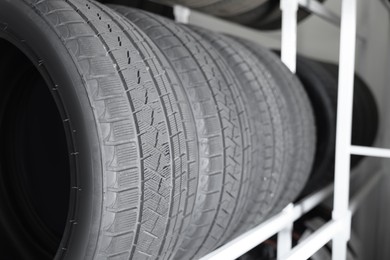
276,224
267,229
338,229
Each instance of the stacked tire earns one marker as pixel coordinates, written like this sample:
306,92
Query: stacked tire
124,135
320,81
258,14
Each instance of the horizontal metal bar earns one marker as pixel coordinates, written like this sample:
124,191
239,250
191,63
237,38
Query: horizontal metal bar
310,202
370,151
249,240
242,244
313,243
324,13
316,241
318,9
357,200
322,236
267,229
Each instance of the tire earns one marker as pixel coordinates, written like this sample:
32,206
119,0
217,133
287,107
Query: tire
267,17
268,107
365,122
320,81
221,8
302,120
147,5
129,134
222,127
228,8
320,87
258,14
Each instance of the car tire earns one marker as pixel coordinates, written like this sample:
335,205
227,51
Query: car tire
129,130
222,127
321,83
268,106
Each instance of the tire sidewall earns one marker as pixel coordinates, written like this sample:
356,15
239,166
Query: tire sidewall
27,30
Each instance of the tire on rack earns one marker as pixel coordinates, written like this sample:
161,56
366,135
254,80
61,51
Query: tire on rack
110,175
147,5
320,82
229,156
267,99
266,17
259,14
319,86
222,8
365,119
302,119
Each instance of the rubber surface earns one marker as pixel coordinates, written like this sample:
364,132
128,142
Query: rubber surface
31,131
228,8
267,16
258,14
320,81
221,8
269,104
222,126
365,113
301,117
139,122
322,90
150,6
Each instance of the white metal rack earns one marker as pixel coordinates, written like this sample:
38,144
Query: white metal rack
338,229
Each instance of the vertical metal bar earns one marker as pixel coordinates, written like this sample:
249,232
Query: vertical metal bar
289,33
289,10
182,14
285,235
344,127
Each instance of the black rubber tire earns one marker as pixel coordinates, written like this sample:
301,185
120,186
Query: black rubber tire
147,5
302,119
222,127
258,14
129,126
365,120
221,8
228,8
269,102
267,17
31,131
320,81
321,89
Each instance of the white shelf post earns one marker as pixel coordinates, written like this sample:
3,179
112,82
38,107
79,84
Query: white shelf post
182,14
289,10
284,244
344,128
289,33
